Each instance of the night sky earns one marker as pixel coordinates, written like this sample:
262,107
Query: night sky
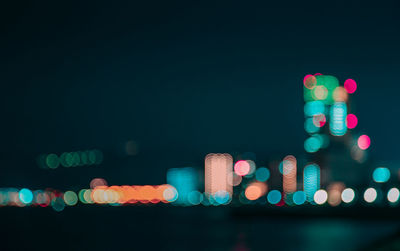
183,79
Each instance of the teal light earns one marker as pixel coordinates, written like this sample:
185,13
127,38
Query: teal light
222,197
311,180
381,175
299,198
338,116
312,144
313,108
274,197
25,196
262,174
310,127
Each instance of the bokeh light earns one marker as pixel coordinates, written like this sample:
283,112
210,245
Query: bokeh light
242,167
319,120
364,142
351,121
262,174
381,175
70,198
309,81
340,94
299,198
393,195
25,196
348,195
350,85
320,197
370,195
274,197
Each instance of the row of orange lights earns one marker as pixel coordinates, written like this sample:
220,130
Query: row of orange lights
134,194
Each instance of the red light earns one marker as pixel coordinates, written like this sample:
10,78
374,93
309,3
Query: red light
350,85
351,121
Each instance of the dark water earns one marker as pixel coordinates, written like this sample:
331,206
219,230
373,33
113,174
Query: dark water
169,228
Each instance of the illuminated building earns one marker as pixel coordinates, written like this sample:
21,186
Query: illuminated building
185,181
218,175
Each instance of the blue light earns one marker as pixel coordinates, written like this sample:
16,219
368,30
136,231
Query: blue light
381,175
313,108
311,180
185,181
25,196
338,115
299,198
310,127
262,174
274,197
222,197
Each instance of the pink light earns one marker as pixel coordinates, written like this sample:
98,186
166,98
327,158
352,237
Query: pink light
351,121
350,85
319,120
364,142
318,74
309,81
242,168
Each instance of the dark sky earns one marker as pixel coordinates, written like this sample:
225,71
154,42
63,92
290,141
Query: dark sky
183,79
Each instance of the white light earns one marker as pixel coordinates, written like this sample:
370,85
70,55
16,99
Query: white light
320,197
370,195
348,195
393,195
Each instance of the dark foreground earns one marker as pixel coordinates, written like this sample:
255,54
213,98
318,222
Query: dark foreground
199,228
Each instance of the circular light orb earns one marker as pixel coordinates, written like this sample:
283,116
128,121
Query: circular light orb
393,195
299,197
319,120
70,198
222,197
381,175
350,85
274,197
253,192
195,198
52,161
242,167
370,195
320,92
262,174
340,94
170,194
364,142
320,197
348,195
312,144
25,196
351,121
310,81
97,182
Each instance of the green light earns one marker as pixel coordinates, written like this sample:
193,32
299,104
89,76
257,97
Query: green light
70,198
52,161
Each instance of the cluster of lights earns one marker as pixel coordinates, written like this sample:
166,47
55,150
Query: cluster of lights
326,100
70,159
